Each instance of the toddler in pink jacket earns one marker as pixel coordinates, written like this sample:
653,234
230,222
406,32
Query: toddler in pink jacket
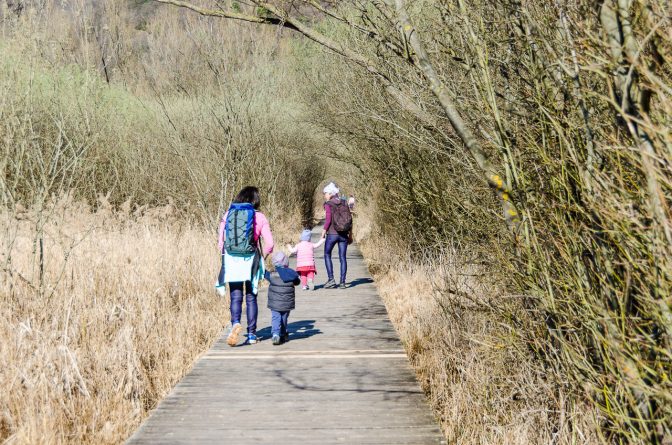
305,259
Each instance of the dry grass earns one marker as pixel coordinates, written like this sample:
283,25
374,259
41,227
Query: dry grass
483,383
113,328
125,301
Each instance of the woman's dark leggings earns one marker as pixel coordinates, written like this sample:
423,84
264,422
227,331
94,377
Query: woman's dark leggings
342,242
237,305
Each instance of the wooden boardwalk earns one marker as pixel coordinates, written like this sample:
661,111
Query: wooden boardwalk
342,378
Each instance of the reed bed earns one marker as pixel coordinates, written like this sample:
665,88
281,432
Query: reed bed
123,307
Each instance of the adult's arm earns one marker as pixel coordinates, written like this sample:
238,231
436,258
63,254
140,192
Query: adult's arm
327,219
264,231
222,226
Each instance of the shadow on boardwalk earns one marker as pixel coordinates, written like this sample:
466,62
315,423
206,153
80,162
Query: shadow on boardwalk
297,330
361,385
353,283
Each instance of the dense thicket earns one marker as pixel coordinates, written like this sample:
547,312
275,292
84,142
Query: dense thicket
572,100
114,99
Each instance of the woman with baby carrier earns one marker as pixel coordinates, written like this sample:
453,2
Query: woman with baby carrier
337,231
240,232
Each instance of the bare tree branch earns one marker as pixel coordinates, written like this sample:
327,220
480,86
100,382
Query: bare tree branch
494,179
616,22
283,19
421,61
225,14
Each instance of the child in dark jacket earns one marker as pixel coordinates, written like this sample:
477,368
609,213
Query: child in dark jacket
281,296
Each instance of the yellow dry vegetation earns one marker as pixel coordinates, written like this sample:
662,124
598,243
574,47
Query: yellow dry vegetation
485,386
125,306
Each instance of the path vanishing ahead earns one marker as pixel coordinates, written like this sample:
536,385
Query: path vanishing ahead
342,378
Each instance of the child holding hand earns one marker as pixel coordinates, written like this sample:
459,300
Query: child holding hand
305,259
281,297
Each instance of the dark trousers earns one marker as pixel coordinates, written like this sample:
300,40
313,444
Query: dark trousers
237,305
279,322
329,245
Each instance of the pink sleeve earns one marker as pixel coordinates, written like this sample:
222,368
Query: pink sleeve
263,229
222,225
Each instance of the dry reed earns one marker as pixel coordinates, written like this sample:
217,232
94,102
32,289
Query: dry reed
125,306
483,383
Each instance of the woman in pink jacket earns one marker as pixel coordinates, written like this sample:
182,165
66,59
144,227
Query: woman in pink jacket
262,230
305,259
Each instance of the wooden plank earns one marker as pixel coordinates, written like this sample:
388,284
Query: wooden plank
342,378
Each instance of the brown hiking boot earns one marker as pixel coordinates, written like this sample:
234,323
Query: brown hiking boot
232,339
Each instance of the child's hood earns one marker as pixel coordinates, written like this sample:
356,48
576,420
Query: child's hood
286,274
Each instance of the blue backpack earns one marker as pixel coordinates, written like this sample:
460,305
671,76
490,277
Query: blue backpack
239,230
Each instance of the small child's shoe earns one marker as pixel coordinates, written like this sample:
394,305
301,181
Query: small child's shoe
276,340
285,337
311,285
252,339
305,288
